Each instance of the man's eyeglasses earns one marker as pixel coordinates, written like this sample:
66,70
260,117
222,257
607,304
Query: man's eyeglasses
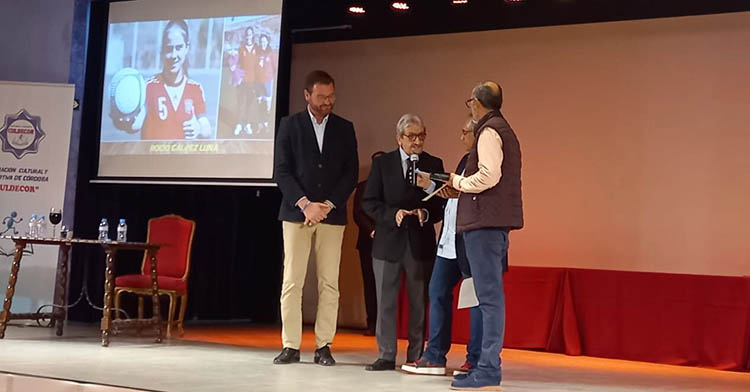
468,102
327,98
413,137
466,131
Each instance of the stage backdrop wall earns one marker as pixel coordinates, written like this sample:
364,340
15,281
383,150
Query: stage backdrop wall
34,136
634,134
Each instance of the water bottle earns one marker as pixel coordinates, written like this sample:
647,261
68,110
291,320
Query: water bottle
41,227
32,226
103,230
122,231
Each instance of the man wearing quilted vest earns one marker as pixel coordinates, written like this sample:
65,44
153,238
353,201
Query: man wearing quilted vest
489,207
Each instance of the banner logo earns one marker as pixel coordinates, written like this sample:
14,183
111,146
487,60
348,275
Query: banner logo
21,134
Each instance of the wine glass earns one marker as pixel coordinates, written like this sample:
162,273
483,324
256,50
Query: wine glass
55,216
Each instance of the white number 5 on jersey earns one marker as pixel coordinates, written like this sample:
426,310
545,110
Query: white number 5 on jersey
161,103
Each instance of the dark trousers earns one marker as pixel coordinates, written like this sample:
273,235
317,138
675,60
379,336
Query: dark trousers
368,280
445,276
247,103
387,284
487,251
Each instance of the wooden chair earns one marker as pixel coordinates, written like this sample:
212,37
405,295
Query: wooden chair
173,266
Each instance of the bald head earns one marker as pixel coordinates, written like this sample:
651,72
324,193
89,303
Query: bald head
489,94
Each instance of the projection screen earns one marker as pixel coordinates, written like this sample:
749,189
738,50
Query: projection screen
190,89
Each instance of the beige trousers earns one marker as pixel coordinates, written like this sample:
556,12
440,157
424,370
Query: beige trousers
325,240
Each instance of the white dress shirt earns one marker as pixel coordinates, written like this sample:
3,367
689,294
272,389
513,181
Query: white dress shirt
405,167
320,129
447,243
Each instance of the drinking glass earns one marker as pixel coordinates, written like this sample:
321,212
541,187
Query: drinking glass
55,216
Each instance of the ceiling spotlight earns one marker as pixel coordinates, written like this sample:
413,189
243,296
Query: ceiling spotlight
357,10
459,2
400,6
514,1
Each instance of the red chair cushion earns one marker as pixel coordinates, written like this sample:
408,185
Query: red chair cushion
175,234
144,282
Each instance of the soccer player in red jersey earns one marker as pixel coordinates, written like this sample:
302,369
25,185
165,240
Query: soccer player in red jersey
175,106
266,74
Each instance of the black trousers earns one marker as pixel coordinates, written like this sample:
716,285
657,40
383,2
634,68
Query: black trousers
388,284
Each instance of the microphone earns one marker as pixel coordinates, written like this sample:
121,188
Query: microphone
413,159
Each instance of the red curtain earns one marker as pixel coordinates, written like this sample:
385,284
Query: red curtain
693,320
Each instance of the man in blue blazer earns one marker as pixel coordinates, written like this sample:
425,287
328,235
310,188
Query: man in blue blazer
316,168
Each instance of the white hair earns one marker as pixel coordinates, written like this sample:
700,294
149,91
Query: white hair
407,120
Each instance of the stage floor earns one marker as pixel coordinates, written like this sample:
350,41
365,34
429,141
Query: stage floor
233,358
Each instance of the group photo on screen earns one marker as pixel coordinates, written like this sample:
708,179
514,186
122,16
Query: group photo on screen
248,87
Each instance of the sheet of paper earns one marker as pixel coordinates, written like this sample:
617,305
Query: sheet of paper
467,296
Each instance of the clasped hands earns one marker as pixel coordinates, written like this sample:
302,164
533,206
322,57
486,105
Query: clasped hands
420,213
316,212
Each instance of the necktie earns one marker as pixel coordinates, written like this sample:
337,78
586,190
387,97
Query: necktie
409,172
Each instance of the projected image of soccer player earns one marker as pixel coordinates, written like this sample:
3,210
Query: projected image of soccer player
175,105
248,88
266,75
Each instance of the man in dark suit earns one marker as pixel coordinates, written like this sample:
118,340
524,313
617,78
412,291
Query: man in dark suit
316,168
404,236
366,232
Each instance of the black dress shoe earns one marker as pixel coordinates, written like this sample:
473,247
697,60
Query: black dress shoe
288,355
323,356
381,364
